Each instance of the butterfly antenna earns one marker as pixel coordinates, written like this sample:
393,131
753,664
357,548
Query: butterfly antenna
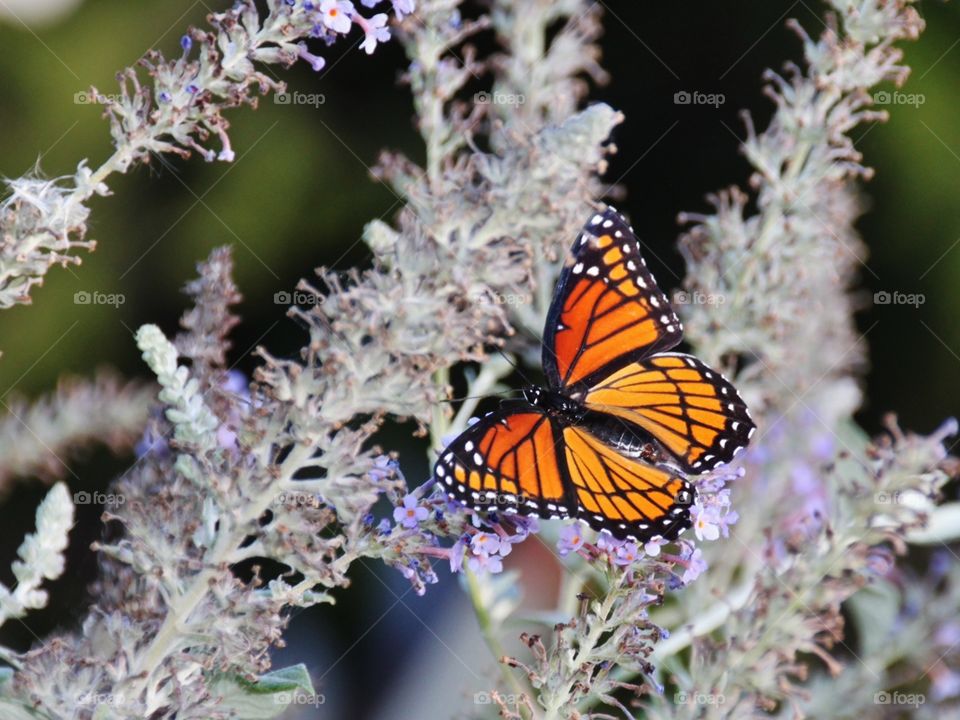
516,367
478,397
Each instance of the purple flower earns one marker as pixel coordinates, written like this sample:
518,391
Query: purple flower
945,685
705,522
485,563
626,554
383,467
410,514
315,61
152,442
403,7
336,15
489,544
457,553
375,32
652,547
696,565
571,539
525,526
236,382
607,542
226,438
726,520
947,635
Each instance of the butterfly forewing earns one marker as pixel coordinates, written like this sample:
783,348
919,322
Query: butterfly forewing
607,310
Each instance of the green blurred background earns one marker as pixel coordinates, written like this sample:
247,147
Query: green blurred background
300,192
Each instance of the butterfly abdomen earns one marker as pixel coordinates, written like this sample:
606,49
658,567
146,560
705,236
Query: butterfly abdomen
625,437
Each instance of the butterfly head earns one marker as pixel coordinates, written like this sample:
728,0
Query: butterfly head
533,395
558,405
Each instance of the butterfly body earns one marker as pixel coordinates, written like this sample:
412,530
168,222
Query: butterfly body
566,411
620,421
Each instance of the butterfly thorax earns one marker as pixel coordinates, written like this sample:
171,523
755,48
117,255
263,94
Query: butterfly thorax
620,434
562,408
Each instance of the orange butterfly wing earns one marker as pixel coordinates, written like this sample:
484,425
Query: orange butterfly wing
508,461
608,310
627,497
517,460
691,410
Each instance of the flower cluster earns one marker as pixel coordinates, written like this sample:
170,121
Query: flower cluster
177,110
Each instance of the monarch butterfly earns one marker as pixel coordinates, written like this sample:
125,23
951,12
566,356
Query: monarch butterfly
621,422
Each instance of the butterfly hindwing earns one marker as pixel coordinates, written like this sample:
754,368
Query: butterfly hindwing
622,495
691,410
508,461
607,310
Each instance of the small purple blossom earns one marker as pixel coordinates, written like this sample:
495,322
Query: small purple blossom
627,554
383,467
525,527
151,442
457,553
571,539
488,544
945,685
411,513
337,14
315,61
403,7
375,31
705,522
652,546
608,543
485,564
226,438
696,565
